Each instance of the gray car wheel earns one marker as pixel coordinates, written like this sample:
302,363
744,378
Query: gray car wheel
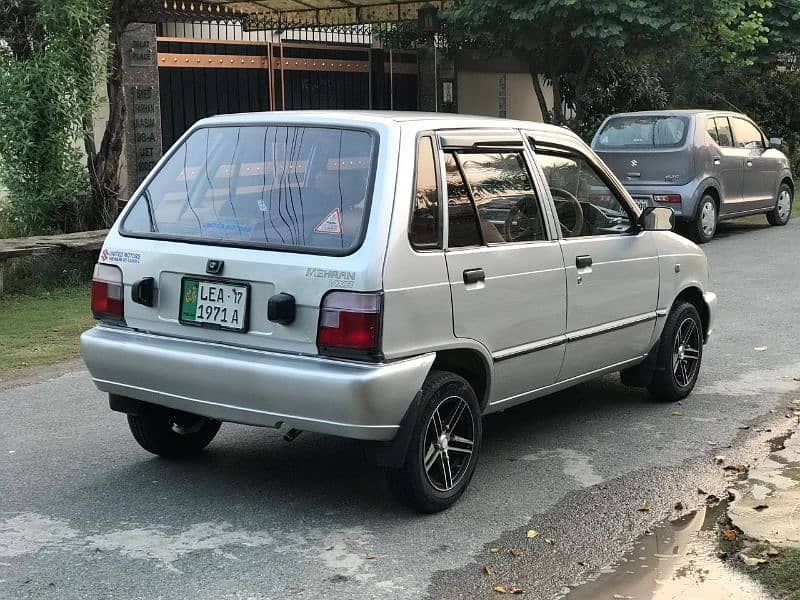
444,448
782,212
704,226
680,354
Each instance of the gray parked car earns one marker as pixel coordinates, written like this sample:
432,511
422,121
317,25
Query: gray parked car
388,277
707,165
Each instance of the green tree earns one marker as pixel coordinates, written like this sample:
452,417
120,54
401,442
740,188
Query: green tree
566,40
50,59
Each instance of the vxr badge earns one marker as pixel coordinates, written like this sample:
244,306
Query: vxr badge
634,163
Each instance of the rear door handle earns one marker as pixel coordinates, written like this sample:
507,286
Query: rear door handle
474,276
583,262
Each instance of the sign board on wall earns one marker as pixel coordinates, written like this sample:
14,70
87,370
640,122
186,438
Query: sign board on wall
147,139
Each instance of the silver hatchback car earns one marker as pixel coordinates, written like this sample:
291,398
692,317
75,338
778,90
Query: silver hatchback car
707,165
388,277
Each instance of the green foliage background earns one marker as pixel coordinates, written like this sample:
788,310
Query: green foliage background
50,68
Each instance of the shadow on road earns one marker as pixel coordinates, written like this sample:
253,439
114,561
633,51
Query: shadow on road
248,469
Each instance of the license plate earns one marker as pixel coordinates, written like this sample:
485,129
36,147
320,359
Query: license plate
641,203
214,304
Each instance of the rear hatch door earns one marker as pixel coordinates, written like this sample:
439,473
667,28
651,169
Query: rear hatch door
240,214
647,150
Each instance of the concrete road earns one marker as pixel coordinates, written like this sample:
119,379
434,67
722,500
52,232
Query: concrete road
85,513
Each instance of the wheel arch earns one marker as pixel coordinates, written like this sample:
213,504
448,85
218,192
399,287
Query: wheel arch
787,179
470,364
694,295
711,188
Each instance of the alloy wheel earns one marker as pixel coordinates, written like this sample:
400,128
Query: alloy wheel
686,352
784,204
449,443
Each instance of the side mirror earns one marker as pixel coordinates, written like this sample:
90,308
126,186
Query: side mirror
775,142
657,218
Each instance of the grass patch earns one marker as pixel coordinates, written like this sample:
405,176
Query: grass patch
43,329
781,575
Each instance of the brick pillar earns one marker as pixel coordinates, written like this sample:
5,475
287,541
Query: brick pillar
143,141
437,81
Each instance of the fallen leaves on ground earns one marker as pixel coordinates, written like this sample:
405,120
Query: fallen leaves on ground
532,533
729,534
369,557
549,541
760,348
500,589
488,569
751,561
737,468
644,506
494,550
516,552
515,590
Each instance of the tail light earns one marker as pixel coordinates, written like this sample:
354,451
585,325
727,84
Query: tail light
667,198
350,325
107,293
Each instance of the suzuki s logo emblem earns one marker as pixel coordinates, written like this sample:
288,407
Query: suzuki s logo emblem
634,163
214,267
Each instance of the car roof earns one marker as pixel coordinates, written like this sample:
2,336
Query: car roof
691,112
367,118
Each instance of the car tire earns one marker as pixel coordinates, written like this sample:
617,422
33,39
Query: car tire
444,445
703,228
173,434
782,212
680,354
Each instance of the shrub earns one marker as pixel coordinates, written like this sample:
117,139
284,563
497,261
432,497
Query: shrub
51,56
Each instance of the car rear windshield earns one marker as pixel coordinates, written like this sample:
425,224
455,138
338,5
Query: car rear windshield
643,132
280,187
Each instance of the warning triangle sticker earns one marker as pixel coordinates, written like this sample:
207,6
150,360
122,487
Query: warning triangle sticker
331,224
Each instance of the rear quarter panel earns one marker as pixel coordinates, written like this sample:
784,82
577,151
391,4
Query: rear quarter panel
418,314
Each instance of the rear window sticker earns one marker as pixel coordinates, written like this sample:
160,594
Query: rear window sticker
331,224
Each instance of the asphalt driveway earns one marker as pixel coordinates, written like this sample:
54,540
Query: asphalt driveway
85,513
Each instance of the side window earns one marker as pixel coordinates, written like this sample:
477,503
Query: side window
724,132
461,217
424,231
499,189
712,130
747,135
585,205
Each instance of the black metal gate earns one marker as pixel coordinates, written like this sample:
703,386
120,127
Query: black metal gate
201,78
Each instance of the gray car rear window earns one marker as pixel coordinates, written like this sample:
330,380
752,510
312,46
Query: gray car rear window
281,187
643,132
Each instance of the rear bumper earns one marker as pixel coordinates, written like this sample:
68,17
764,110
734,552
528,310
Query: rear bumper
684,211
346,399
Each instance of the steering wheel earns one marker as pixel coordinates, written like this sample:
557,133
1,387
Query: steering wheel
577,209
519,223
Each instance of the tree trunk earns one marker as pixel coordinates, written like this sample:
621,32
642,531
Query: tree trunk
537,88
558,100
104,168
580,86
